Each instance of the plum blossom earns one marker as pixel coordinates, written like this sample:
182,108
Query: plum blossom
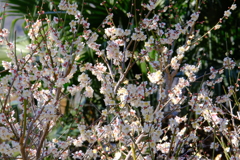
194,16
139,36
227,13
156,77
228,63
55,20
89,92
150,6
4,33
233,7
78,155
164,147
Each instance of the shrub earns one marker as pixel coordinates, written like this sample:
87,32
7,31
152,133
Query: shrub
149,113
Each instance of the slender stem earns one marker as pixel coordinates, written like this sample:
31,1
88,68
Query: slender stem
171,144
133,152
136,142
22,146
214,141
15,49
41,141
32,123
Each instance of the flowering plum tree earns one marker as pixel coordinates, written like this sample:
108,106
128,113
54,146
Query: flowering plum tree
142,118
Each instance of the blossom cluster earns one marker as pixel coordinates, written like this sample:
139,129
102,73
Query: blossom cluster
143,115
